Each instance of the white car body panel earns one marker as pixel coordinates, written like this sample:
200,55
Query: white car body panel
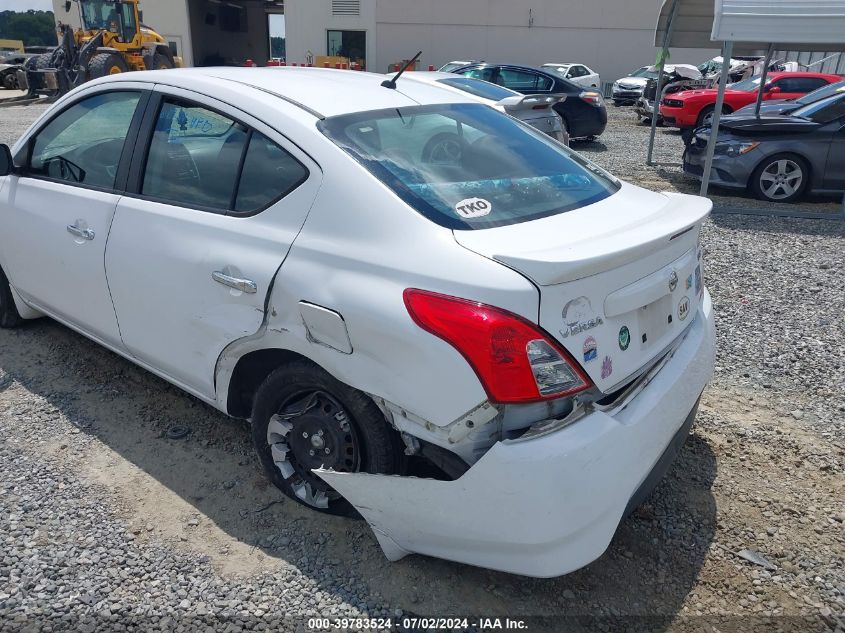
34,219
181,248
331,261
546,505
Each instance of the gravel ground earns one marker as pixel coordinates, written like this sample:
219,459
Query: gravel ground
105,523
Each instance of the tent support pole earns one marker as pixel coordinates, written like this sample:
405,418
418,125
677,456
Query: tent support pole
769,52
727,50
656,112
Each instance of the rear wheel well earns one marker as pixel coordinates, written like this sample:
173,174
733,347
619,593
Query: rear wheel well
250,371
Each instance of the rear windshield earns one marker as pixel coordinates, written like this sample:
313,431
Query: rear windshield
822,93
468,166
478,87
823,111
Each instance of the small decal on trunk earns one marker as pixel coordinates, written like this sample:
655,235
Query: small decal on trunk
606,367
698,279
624,337
473,207
590,349
683,308
689,282
578,316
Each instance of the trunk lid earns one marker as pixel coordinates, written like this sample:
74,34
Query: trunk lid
619,280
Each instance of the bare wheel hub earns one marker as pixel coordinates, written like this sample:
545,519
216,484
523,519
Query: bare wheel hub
312,430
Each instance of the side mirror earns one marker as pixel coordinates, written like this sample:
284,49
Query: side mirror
773,90
7,165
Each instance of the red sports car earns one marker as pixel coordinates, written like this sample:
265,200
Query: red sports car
693,108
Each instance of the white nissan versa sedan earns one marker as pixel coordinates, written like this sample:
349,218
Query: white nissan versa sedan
288,246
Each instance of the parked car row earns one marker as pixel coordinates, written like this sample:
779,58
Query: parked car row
401,277
583,112
778,156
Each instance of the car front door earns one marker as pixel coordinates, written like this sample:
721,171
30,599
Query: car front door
55,214
215,200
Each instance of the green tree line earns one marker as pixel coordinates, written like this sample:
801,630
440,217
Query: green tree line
35,28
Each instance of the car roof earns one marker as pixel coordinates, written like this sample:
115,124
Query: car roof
535,69
322,92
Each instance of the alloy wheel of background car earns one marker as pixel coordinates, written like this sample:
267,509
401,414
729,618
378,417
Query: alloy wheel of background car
705,117
299,408
780,178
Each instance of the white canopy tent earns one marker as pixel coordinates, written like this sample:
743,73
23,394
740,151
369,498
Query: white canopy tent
745,27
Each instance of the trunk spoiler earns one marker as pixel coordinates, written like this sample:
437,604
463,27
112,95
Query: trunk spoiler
517,103
609,248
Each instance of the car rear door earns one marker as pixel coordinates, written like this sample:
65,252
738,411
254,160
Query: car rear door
55,215
216,198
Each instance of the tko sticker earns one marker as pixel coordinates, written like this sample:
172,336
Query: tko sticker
590,349
689,282
473,207
683,308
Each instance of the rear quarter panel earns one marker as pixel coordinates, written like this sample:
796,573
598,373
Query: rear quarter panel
359,249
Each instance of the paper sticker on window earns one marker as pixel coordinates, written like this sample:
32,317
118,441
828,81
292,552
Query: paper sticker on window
473,207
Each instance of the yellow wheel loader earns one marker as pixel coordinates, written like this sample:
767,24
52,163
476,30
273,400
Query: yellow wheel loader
111,40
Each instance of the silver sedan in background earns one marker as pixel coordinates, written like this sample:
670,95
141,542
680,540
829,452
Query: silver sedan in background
535,110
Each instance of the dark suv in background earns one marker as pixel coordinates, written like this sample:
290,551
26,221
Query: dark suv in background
583,112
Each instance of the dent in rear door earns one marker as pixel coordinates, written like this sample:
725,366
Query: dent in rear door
169,265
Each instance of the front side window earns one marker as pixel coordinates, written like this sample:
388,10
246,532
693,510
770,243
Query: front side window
201,158
485,74
467,166
83,144
523,81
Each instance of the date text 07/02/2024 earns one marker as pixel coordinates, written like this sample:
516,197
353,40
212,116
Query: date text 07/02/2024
417,623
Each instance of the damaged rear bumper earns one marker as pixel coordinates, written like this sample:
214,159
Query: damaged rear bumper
547,505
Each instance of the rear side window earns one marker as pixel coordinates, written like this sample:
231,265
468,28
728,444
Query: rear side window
201,158
269,173
468,166
83,144
194,157
523,81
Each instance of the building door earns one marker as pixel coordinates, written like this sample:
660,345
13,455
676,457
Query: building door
349,44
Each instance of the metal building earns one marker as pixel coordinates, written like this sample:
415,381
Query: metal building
611,36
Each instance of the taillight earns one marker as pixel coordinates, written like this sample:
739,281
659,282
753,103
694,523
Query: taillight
593,98
514,360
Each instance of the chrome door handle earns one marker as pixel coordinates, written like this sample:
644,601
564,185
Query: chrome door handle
244,285
85,234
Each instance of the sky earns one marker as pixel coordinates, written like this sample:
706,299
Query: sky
23,5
